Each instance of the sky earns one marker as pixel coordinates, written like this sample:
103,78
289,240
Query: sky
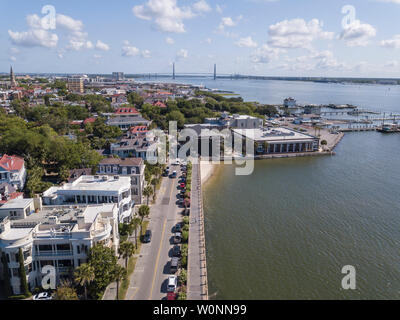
352,38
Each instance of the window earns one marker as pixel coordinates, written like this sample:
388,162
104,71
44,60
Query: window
45,247
63,247
15,272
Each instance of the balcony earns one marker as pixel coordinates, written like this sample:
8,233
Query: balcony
53,253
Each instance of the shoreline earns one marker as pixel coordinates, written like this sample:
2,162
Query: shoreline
207,169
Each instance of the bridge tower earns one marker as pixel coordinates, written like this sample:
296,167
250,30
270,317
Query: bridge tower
215,71
173,71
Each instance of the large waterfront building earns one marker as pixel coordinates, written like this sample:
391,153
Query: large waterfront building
279,140
12,171
94,190
58,236
118,76
129,167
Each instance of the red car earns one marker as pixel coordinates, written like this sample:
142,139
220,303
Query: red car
182,185
171,296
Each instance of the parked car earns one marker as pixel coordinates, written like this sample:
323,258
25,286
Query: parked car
172,283
177,237
173,175
176,251
174,265
42,296
182,185
178,227
147,236
171,296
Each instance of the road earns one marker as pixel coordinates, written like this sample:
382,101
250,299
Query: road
149,280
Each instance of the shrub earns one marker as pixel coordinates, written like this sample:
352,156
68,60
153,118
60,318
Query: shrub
324,142
183,276
185,220
185,236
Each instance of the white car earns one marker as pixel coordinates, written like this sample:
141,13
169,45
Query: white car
43,296
172,283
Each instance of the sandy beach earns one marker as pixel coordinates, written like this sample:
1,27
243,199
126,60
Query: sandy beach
207,169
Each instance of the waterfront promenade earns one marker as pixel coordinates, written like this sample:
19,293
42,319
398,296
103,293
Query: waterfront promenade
197,283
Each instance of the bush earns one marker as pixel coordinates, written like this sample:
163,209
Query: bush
185,236
324,142
182,295
183,276
186,220
184,262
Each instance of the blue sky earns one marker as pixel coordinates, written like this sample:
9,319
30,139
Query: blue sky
261,37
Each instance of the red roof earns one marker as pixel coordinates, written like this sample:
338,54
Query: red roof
159,104
89,120
13,196
164,92
139,129
11,163
126,111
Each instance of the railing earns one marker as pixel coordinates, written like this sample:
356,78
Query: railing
202,242
53,253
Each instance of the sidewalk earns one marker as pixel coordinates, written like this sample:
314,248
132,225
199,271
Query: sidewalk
197,285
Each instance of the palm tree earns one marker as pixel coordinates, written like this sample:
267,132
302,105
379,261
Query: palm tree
126,249
158,171
119,274
84,275
144,211
135,223
154,183
147,192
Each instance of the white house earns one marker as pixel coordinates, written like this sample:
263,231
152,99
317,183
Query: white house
59,237
94,190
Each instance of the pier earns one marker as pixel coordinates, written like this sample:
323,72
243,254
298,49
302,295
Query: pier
197,283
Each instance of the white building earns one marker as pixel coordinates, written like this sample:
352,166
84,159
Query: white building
12,171
55,236
279,140
94,190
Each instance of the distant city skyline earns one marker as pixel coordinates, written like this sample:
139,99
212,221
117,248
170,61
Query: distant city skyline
313,38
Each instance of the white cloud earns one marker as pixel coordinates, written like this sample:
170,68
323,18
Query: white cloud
69,23
391,64
357,34
97,56
296,33
393,43
146,54
169,40
128,50
201,6
166,14
265,54
218,8
208,40
182,54
79,44
247,42
102,46
34,38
